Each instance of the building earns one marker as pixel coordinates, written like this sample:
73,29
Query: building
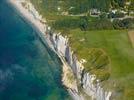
95,12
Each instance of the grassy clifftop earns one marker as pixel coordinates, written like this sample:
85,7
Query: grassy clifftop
117,60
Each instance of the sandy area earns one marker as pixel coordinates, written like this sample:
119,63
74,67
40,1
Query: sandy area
28,15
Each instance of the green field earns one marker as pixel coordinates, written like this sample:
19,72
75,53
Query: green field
115,43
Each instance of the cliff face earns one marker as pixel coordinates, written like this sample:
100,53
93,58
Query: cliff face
79,83
84,80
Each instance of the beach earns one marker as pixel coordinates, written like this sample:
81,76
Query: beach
29,16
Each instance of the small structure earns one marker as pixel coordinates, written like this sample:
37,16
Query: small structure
65,13
58,8
95,12
114,11
128,3
131,12
124,12
71,8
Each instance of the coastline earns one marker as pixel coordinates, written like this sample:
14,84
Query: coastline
42,28
40,24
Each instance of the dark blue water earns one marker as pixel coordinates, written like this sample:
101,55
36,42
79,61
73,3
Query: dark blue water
28,69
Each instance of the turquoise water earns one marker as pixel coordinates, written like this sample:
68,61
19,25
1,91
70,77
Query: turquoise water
29,70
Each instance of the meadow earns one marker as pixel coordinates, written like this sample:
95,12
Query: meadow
117,45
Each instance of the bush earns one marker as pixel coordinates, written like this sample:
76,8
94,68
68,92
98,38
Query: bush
116,15
83,23
101,23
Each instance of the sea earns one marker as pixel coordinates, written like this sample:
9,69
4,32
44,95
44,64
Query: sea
29,69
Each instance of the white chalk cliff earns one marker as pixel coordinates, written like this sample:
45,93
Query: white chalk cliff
61,46
81,85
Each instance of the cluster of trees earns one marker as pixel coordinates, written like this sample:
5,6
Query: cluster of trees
82,6
66,23
118,3
85,23
127,23
102,5
71,23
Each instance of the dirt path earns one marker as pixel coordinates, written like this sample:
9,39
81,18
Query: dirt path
131,37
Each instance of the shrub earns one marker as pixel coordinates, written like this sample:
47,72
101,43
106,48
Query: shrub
127,23
83,23
116,15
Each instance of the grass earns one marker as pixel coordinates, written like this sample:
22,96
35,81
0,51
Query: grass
116,44
51,14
